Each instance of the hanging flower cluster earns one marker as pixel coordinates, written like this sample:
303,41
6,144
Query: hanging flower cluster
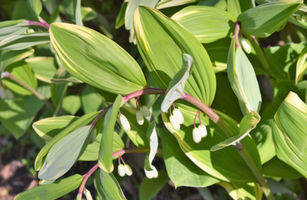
176,118
123,169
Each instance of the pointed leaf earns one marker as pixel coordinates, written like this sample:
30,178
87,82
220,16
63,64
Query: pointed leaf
81,122
265,19
49,127
17,114
243,79
162,53
53,190
107,186
180,169
12,27
290,137
63,154
77,9
207,23
91,100
78,47
301,65
106,144
8,57
35,7
175,89
23,41
236,7
248,123
120,20
172,3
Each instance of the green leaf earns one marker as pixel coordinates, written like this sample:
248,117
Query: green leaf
78,47
207,23
88,13
172,3
107,186
181,170
120,20
23,41
43,67
12,27
236,7
301,65
81,122
248,123
64,153
71,104
49,127
106,144
58,91
175,89
77,9
91,152
282,60
162,53
53,190
243,190
289,133
35,7
91,100
277,168
17,114
8,57
243,79
132,5
149,188
214,162
22,71
265,19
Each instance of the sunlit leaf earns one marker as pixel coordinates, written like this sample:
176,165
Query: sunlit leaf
8,57
265,19
248,123
43,67
12,27
71,104
64,153
53,190
289,133
301,65
23,41
236,7
106,144
163,58
79,46
207,23
107,186
243,190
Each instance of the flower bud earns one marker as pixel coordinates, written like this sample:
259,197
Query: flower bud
245,45
151,174
139,117
178,115
196,135
174,122
145,111
87,194
203,130
128,170
121,170
125,123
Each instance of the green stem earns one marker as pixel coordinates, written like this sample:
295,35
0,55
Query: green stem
32,90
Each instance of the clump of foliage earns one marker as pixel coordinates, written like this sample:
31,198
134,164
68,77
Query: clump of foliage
206,97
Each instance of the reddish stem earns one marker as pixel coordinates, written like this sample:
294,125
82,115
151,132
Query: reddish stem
42,24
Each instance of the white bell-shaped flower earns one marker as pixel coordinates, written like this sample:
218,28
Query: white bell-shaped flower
145,111
152,173
245,45
139,117
178,115
174,122
125,123
121,170
203,130
196,135
128,170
